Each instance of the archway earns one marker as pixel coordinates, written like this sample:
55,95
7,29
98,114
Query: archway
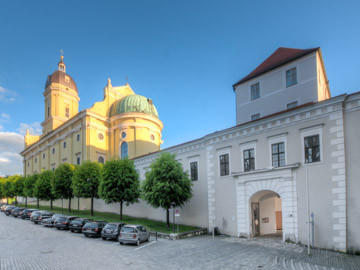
265,213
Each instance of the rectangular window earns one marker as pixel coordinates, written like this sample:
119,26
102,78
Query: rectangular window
35,160
78,161
255,91
64,144
249,160
278,154
312,149
291,77
224,165
78,137
194,171
53,150
292,105
67,112
43,155
255,116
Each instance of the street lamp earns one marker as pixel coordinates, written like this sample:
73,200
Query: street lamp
173,204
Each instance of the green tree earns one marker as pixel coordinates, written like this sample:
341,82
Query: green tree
29,185
43,189
6,188
86,181
166,183
18,186
119,183
62,181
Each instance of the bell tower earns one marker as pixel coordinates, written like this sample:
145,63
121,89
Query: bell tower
61,98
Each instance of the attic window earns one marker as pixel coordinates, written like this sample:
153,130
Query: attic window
67,79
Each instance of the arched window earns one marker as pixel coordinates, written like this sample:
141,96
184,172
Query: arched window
124,150
101,160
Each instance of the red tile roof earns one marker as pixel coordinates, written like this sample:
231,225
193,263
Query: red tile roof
280,57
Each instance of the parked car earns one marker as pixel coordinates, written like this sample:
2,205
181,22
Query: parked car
93,228
77,224
134,234
16,211
63,222
111,231
49,222
38,216
25,214
8,209
3,206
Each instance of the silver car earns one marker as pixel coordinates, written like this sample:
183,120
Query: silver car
134,234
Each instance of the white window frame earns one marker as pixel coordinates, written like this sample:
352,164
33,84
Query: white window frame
247,146
312,131
259,91
277,139
223,151
297,75
190,160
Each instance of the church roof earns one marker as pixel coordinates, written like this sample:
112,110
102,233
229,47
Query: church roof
133,103
59,76
280,57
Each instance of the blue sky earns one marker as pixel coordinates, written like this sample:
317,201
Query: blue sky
184,55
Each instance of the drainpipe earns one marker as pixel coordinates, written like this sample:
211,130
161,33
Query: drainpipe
308,206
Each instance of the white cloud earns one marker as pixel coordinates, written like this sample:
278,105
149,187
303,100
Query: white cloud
34,128
7,95
11,144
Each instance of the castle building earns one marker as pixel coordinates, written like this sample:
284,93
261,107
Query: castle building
292,158
124,124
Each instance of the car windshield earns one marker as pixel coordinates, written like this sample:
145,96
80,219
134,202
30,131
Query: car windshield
61,218
128,229
76,221
111,226
91,225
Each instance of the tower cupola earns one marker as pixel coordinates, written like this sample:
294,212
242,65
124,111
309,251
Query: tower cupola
61,64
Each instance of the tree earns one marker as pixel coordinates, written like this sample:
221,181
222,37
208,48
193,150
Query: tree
6,189
62,180
166,183
86,181
29,185
119,183
43,189
18,186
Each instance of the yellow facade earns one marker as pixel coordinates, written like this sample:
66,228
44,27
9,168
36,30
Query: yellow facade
123,124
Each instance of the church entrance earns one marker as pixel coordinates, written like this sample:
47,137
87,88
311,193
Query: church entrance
266,214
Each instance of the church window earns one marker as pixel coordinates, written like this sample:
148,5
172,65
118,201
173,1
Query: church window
64,144
78,160
124,150
53,150
123,135
48,108
291,77
67,79
78,137
35,160
152,137
43,155
101,160
101,136
194,171
67,112
249,159
278,154
255,91
224,165
312,149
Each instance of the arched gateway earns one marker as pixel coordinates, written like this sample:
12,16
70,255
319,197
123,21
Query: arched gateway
272,185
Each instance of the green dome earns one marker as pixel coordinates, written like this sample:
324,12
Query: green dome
133,103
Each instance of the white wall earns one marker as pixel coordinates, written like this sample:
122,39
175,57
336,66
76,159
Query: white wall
267,210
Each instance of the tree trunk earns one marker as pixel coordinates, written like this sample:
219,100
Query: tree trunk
62,207
51,204
26,202
92,206
70,205
121,203
167,218
37,203
78,205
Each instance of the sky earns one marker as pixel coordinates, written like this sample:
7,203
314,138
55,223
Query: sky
184,55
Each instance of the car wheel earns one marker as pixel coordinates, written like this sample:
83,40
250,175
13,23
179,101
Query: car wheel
72,230
148,239
103,238
57,228
138,242
121,243
86,235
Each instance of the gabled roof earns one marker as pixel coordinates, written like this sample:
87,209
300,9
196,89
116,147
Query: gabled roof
280,57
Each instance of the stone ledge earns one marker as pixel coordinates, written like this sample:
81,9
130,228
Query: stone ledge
176,236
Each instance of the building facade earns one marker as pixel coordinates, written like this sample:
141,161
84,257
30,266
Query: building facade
122,125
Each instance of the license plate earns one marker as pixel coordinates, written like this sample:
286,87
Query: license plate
75,225
89,230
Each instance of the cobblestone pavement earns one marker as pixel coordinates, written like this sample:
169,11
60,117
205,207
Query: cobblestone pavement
24,245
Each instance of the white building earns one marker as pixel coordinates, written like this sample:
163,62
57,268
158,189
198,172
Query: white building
250,179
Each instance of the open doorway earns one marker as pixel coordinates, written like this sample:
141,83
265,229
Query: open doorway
266,214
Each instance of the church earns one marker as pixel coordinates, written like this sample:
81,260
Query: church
291,160
123,124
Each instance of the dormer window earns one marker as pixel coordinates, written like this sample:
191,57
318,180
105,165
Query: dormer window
291,77
255,91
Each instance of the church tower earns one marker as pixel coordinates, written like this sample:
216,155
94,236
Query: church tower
61,98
